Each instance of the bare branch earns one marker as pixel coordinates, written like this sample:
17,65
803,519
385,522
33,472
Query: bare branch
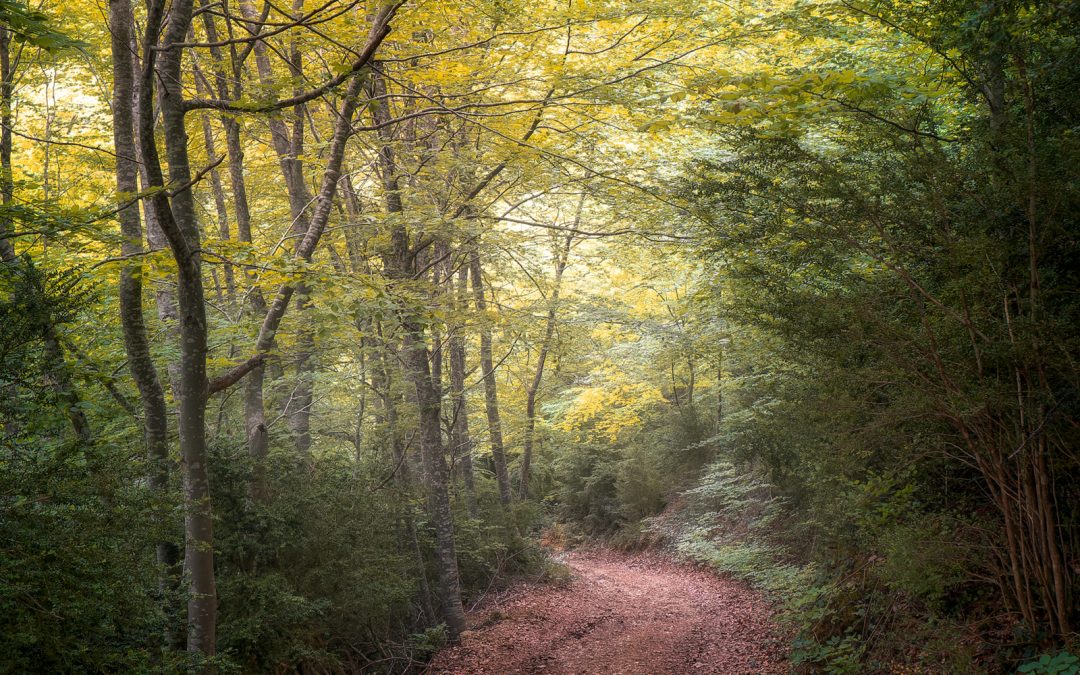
379,30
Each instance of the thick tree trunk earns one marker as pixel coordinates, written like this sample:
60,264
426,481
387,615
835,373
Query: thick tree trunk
140,362
175,211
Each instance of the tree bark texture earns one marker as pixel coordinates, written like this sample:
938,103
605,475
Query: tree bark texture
140,363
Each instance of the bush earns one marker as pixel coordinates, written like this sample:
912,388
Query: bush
77,587
1062,663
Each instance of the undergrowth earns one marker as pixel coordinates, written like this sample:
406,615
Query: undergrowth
841,618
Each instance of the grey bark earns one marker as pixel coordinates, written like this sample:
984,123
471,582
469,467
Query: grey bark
254,405
460,438
140,362
175,213
399,264
220,209
491,391
228,83
382,381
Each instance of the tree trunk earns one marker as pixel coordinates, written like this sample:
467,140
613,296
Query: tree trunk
254,405
460,439
491,392
415,356
289,150
140,362
221,211
561,257
303,395
399,263
176,216
230,85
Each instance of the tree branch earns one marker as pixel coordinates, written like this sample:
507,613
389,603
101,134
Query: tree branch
379,31
234,375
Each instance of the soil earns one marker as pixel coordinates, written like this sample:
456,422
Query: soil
621,614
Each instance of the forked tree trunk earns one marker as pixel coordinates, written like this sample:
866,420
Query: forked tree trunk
140,362
254,405
289,149
175,212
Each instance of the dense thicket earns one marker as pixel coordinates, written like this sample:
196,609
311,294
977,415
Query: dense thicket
894,255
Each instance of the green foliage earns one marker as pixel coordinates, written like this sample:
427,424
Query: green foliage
734,523
921,561
493,546
872,296
605,487
423,645
34,27
587,486
331,572
76,591
1061,663
879,233
31,301
337,577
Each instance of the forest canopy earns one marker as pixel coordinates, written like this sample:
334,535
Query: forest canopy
319,320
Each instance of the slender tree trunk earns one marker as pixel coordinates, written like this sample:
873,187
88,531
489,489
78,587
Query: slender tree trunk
460,439
254,405
382,381
290,150
307,239
220,208
303,396
400,266
719,391
491,391
229,84
562,255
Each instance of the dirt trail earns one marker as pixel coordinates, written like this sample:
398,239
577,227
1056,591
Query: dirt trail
640,614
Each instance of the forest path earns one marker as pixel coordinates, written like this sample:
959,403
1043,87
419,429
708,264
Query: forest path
622,614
